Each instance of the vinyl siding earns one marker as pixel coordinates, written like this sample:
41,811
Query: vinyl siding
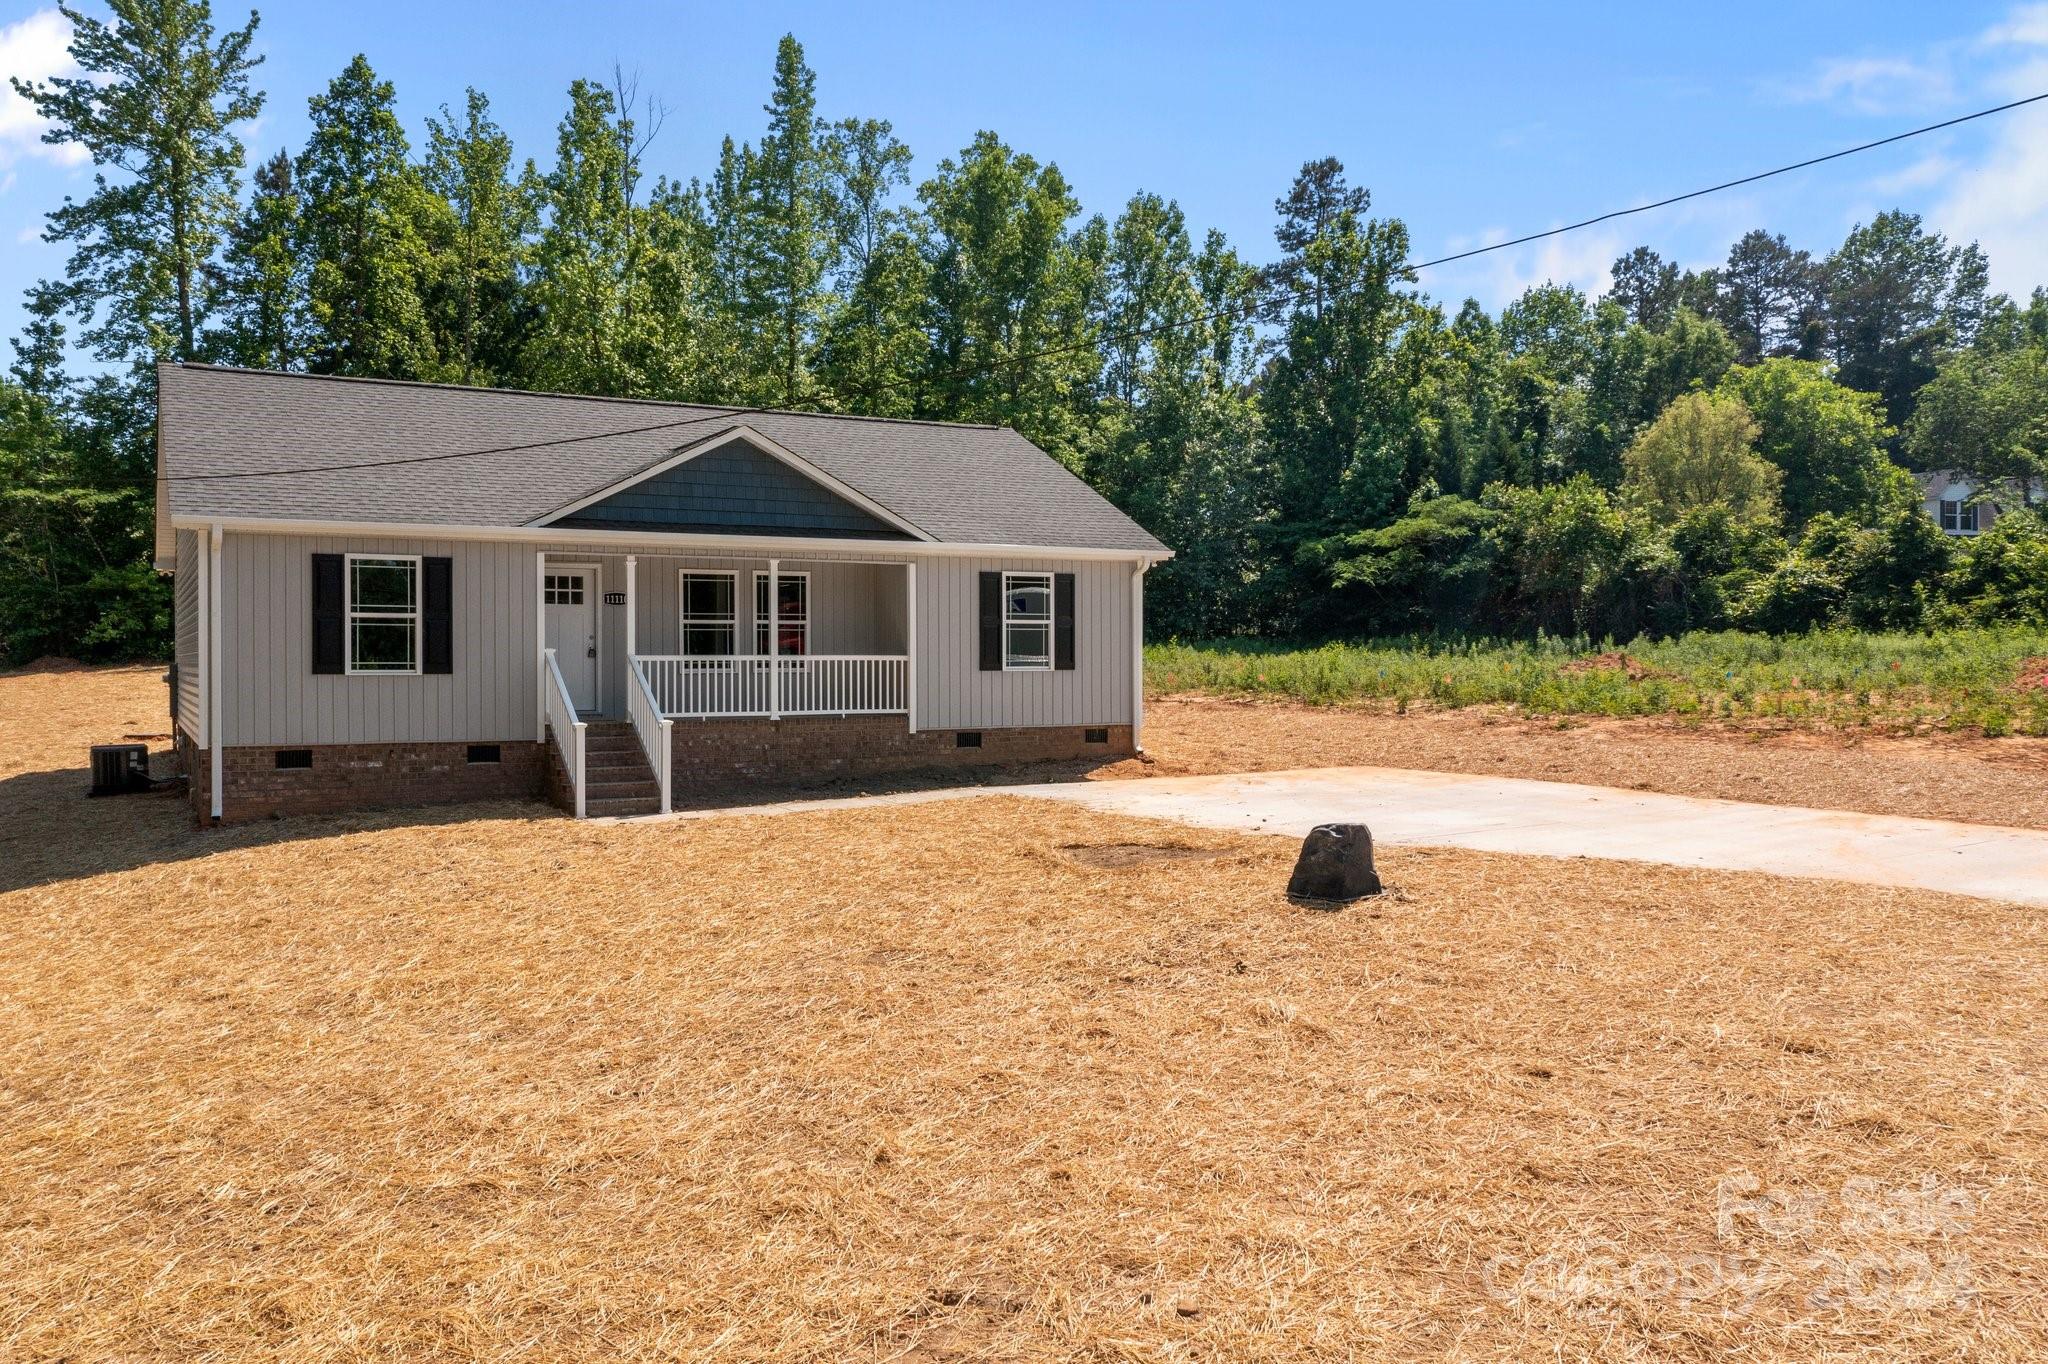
273,697
186,605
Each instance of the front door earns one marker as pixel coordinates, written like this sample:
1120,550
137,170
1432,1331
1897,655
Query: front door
569,600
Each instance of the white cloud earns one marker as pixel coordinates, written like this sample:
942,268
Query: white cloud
33,49
2000,200
32,233
1879,85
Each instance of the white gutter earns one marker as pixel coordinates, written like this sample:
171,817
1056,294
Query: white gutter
760,545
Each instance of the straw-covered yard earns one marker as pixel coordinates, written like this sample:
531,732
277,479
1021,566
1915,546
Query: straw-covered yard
975,1081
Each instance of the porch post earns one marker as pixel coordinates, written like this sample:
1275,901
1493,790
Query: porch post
774,639
910,643
632,609
540,646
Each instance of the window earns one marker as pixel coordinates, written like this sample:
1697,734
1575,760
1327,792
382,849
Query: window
383,613
710,619
1027,622
794,611
563,589
1958,518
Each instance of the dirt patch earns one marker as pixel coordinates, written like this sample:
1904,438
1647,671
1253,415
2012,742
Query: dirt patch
2033,675
1614,662
1121,856
50,663
1985,781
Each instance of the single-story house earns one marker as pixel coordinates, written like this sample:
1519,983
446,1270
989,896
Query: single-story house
394,593
1953,499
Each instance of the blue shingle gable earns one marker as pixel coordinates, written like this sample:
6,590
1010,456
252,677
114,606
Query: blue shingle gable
734,489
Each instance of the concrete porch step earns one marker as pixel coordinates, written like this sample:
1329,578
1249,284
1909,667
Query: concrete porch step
627,807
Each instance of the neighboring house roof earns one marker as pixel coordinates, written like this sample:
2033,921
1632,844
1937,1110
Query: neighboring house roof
947,482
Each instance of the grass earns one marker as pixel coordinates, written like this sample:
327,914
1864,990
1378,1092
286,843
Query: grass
1954,680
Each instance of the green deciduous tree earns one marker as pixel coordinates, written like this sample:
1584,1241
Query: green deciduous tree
478,232
157,104
1702,453
262,286
1827,439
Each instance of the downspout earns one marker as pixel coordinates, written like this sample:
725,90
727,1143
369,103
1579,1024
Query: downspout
215,767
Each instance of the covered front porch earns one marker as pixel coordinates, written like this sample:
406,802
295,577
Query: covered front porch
659,639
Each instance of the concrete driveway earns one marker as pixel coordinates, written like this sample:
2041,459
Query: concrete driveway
1559,819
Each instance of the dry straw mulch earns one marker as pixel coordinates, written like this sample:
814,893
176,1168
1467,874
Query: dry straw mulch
922,1083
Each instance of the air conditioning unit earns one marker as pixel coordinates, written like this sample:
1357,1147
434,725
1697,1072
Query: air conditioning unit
119,768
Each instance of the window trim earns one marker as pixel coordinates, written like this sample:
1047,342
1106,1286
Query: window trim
1051,611
350,615
684,620
1950,512
759,607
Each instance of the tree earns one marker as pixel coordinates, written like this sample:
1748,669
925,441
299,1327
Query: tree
1011,293
1700,453
1896,297
1986,415
792,186
361,233
479,238
1769,299
261,286
1827,440
1646,287
158,101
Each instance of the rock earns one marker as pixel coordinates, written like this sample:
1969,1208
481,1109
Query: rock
1335,867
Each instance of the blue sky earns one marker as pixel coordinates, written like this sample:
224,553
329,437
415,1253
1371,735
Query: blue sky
1470,122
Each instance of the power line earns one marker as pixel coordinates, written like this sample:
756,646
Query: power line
1135,334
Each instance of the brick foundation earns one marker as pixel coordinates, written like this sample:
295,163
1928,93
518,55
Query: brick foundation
709,755
359,777
809,749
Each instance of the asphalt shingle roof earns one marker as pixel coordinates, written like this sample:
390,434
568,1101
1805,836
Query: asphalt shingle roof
958,484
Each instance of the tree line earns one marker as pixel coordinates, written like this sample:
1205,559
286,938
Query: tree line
1327,448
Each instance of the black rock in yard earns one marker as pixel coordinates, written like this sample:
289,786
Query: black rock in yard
1335,867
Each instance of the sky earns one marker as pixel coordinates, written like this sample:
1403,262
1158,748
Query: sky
1472,123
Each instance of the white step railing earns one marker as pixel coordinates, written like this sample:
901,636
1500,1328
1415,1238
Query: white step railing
568,729
698,687
653,730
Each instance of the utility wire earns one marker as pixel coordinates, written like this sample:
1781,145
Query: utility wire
1135,334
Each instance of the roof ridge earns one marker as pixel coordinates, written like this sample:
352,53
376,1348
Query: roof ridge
580,397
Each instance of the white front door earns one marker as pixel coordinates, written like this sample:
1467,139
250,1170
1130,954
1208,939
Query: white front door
569,599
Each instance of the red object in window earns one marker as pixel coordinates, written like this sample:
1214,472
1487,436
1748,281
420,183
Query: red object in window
790,640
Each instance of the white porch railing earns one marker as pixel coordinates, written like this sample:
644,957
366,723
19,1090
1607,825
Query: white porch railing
561,712
652,728
813,684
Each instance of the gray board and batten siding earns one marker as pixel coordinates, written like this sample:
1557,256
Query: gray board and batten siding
857,606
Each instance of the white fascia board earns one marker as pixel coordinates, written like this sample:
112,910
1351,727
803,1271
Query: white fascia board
773,449
759,546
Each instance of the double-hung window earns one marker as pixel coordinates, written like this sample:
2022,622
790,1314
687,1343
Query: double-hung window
383,613
710,623
1027,622
1958,517
793,623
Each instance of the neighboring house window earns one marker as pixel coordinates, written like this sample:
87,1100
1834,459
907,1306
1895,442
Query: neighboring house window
1958,517
794,625
711,622
1027,622
383,613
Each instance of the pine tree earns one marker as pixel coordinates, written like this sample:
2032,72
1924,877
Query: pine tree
793,215
157,102
482,221
261,280
361,234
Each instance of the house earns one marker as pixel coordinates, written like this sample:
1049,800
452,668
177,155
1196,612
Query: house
394,593
1951,498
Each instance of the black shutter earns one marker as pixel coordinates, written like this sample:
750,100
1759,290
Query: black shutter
437,608
1063,621
330,614
991,622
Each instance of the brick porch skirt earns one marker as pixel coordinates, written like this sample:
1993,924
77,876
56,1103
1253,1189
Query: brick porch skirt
714,754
